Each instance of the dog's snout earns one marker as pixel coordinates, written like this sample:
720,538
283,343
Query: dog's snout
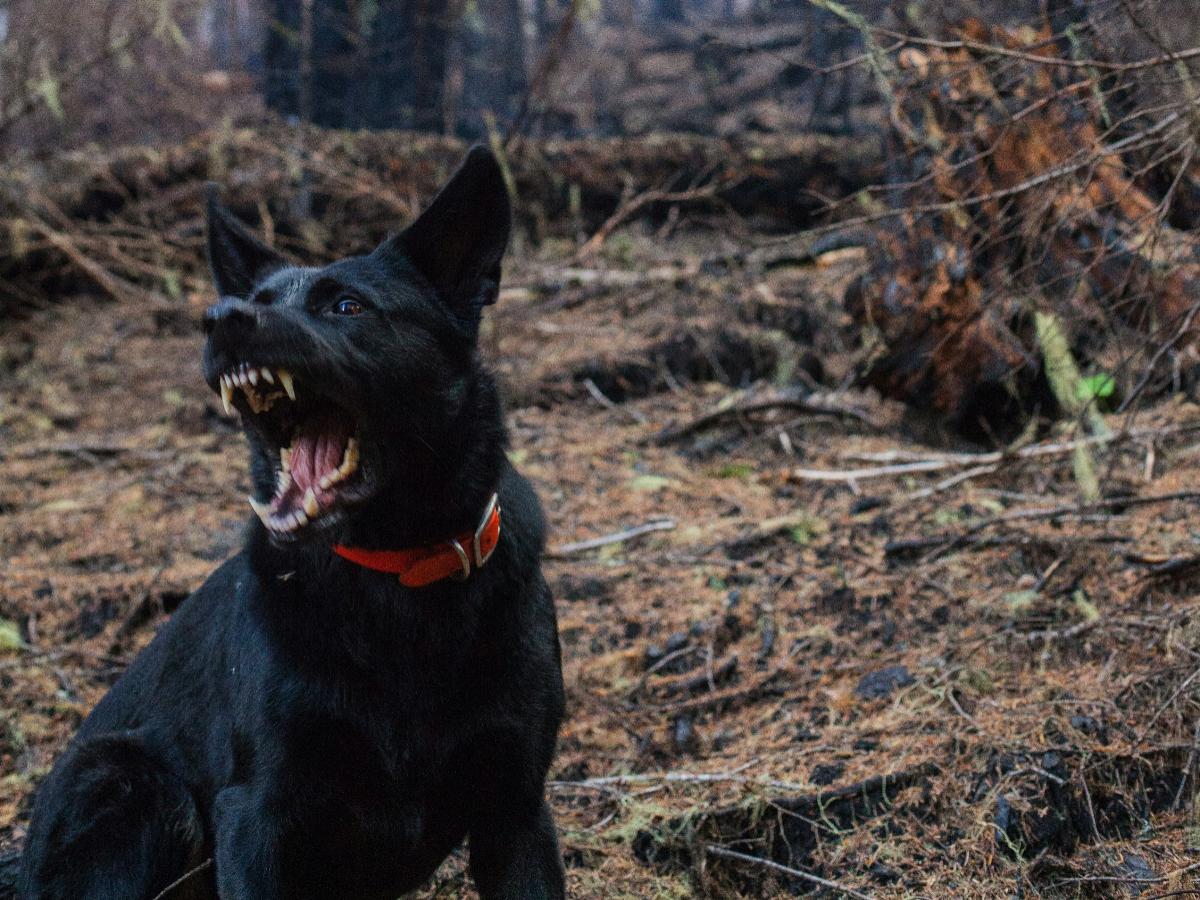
231,316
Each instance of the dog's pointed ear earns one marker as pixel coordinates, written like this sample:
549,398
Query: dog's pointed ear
457,243
236,258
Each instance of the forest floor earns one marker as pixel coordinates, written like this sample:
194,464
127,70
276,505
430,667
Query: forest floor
949,682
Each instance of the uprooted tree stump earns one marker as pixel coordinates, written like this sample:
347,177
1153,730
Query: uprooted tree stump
1026,182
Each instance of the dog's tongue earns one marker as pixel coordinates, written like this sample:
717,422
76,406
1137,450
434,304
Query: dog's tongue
317,449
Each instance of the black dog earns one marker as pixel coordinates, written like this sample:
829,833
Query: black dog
375,676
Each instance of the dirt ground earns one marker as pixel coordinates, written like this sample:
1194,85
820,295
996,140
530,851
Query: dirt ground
945,679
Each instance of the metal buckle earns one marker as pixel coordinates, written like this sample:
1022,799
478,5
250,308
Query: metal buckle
480,559
462,558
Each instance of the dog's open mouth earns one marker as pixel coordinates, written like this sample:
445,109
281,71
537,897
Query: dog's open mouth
316,439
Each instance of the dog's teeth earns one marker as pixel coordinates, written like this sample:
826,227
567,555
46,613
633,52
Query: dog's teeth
310,503
349,460
282,482
227,397
253,376
326,481
285,378
262,510
267,376
285,458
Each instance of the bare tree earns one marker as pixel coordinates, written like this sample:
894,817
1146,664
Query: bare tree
407,62
494,57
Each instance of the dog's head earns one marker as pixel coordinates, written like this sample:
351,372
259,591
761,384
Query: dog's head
343,373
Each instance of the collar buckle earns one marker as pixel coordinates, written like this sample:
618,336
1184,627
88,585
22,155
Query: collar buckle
493,507
463,559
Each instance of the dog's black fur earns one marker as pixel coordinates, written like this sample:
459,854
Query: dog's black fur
314,727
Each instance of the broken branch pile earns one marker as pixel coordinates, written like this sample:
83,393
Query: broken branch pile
130,221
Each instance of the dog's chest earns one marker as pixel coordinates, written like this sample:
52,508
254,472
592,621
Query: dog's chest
397,750
386,795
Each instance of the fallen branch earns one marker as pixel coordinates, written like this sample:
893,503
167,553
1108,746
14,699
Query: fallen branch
812,403
763,686
1162,350
714,850
607,402
1179,689
973,460
616,781
928,465
946,543
705,681
953,480
615,538
627,210
910,547
116,287
85,449
1174,567
993,49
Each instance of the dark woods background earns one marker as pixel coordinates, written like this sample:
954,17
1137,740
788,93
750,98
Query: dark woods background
117,71
121,70
127,71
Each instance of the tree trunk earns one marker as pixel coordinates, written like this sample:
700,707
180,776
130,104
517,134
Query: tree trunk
310,61
669,10
333,63
281,52
494,48
224,34
408,63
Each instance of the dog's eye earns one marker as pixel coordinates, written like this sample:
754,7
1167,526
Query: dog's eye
347,306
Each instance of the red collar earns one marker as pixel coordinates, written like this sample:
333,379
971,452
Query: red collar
419,566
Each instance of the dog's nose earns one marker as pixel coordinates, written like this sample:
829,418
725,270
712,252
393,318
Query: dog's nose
230,315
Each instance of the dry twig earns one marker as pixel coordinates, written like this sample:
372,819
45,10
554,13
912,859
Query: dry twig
726,853
794,399
615,538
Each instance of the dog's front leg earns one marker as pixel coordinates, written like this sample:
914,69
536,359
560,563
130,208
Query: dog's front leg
514,855
247,860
